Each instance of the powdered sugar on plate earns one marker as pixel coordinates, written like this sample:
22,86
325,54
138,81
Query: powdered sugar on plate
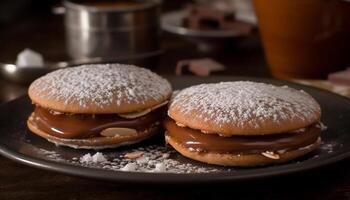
96,158
329,147
155,159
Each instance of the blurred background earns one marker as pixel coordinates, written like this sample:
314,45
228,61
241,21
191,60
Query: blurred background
33,24
304,41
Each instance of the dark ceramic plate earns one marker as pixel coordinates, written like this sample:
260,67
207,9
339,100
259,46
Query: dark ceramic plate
17,143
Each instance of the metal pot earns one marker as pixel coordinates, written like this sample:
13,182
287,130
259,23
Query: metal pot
112,32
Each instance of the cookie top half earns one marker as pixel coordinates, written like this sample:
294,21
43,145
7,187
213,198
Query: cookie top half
243,108
100,89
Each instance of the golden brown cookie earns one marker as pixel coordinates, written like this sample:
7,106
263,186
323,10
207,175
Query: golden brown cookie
243,123
100,89
97,142
98,106
248,160
243,108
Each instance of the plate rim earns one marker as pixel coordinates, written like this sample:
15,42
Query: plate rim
164,178
176,178
181,30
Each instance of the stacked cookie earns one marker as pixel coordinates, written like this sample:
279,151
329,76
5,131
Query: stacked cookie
243,123
98,106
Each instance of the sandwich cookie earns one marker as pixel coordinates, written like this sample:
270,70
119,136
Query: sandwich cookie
98,106
243,123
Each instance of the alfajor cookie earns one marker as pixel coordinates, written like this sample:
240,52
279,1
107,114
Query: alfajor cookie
98,106
243,123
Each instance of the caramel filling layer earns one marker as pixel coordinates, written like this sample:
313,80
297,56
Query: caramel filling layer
78,126
197,141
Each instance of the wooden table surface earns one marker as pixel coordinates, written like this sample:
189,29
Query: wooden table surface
244,58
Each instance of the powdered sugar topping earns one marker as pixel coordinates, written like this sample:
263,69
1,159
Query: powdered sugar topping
245,103
101,85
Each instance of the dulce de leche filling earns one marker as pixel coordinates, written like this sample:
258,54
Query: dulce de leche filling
78,126
197,141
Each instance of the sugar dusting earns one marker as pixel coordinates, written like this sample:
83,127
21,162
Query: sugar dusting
245,103
101,85
96,158
157,158
330,147
154,159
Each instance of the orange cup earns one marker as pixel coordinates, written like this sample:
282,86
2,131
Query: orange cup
304,38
